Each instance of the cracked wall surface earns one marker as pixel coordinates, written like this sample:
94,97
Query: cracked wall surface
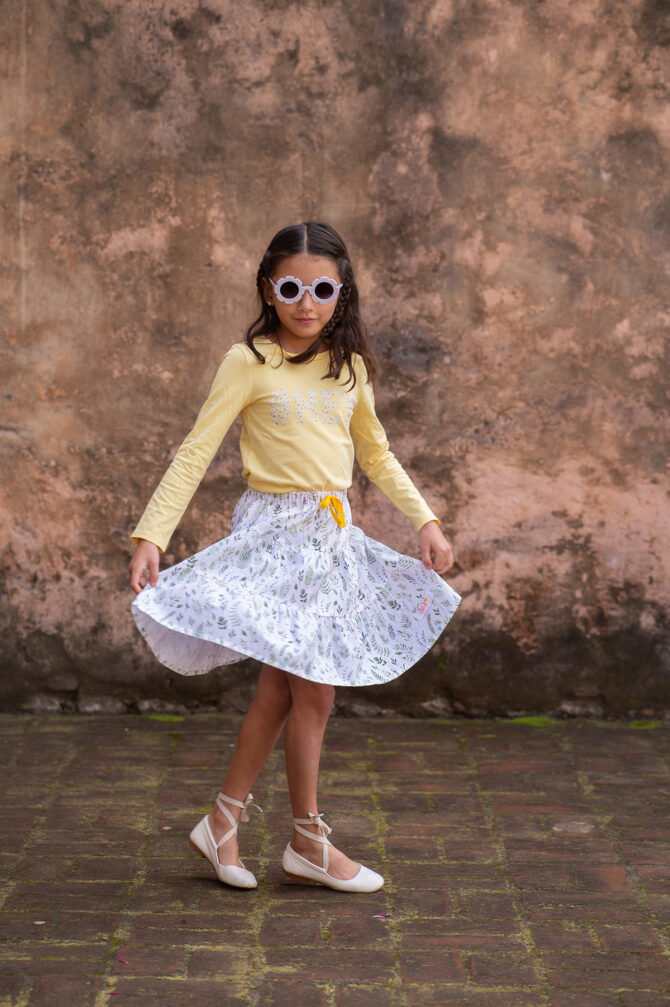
499,171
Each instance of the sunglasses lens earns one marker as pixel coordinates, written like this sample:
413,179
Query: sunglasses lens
324,290
289,290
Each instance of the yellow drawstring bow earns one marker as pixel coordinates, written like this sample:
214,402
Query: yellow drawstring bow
336,509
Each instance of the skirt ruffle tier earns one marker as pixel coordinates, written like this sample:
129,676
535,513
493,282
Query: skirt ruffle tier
293,588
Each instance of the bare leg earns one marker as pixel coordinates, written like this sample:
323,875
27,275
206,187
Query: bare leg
258,736
311,705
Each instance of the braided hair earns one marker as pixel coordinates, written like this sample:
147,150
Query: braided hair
345,333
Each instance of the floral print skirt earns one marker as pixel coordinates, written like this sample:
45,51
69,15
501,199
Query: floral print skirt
297,586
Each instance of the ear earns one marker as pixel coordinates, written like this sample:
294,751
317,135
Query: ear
267,289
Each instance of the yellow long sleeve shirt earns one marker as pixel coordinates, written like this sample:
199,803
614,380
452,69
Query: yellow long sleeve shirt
299,432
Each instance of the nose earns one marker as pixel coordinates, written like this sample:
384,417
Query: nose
306,301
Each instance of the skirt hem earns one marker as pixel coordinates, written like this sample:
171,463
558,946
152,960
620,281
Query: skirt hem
274,664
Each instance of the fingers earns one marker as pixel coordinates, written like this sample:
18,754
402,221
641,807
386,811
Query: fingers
153,571
445,561
140,565
443,558
137,579
436,552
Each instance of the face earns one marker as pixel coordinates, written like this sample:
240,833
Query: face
301,322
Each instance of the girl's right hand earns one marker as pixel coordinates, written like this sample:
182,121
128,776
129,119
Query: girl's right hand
145,559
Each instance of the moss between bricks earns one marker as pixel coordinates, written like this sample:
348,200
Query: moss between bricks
530,721
169,718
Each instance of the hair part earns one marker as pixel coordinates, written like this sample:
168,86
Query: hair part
345,333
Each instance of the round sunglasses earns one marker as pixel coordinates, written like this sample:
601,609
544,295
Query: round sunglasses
290,289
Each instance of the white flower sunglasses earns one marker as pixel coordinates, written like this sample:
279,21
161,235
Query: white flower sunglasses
290,289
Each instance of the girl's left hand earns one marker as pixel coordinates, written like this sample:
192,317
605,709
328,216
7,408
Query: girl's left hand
436,552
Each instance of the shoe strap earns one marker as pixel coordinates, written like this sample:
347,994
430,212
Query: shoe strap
248,802
318,838
244,814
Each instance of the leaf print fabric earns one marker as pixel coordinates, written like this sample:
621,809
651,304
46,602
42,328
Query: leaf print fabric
292,588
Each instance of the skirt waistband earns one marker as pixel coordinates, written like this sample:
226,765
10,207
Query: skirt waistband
298,495
335,500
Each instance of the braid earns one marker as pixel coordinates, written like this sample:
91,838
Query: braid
340,308
259,276
267,320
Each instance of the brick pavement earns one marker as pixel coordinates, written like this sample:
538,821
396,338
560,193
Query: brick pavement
526,865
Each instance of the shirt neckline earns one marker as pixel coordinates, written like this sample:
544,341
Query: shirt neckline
287,353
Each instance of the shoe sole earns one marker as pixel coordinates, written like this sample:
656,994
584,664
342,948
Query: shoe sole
303,879
198,850
324,884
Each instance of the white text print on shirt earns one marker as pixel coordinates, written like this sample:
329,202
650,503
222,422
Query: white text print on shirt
327,405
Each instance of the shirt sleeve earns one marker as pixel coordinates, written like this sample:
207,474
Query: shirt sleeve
379,463
228,395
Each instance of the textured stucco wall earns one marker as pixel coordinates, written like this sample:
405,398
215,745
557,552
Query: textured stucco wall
500,172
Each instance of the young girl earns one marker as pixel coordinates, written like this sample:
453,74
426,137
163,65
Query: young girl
296,584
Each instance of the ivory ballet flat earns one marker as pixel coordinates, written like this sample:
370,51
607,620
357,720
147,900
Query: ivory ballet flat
300,869
205,845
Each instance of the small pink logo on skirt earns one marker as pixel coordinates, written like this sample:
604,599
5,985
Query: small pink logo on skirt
424,606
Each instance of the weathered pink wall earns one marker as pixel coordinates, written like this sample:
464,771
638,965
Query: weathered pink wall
500,172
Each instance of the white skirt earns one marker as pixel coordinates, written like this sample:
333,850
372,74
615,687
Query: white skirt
292,587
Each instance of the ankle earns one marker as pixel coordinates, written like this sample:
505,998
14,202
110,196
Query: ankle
232,809
219,817
301,837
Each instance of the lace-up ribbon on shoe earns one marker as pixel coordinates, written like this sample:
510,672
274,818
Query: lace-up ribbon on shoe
317,820
203,842
244,814
322,837
248,803
301,869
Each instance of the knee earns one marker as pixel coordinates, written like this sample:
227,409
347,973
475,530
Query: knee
313,698
273,692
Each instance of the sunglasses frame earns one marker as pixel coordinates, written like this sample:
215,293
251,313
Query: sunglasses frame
303,287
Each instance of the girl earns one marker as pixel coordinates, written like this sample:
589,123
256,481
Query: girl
296,584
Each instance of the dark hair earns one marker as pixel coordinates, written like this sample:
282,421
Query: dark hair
345,333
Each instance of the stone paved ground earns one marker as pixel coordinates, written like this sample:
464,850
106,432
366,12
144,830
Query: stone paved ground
525,865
